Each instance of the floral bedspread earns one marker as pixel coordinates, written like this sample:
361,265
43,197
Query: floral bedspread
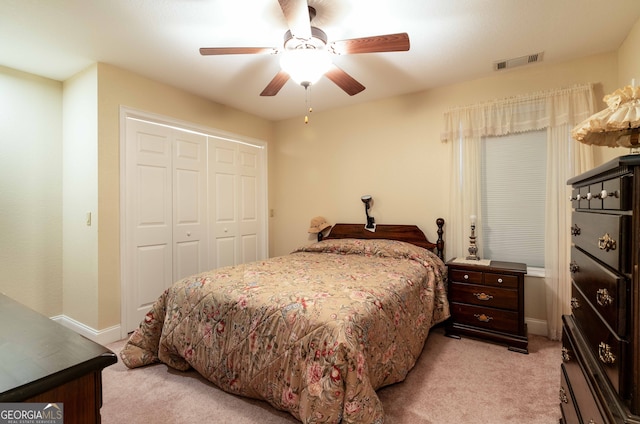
314,333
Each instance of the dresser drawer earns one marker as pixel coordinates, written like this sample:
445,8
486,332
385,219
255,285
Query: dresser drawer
567,403
606,290
617,193
484,317
577,385
605,345
604,236
613,194
581,197
463,276
493,297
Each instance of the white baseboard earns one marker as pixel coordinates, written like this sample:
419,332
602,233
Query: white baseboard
103,337
537,326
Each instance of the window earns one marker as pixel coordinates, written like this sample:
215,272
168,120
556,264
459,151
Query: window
513,204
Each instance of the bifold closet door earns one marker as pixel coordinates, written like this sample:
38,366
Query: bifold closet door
166,212
237,203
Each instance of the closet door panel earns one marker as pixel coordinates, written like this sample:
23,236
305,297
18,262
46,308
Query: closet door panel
189,204
249,172
225,203
148,204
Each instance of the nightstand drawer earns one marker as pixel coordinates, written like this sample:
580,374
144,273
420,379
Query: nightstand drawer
465,276
501,280
484,296
483,317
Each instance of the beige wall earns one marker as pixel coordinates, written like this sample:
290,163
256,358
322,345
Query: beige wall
116,88
629,59
79,197
31,190
40,242
390,149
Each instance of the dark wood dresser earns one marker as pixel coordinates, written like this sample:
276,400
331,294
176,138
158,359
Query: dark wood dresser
45,362
488,302
600,371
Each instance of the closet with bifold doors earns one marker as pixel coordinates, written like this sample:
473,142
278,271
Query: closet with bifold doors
191,202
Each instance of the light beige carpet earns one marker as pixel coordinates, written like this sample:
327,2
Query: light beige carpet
454,381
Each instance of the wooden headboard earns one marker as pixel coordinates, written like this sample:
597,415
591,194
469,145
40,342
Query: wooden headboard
408,233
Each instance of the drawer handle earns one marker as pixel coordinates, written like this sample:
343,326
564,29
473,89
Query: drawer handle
483,317
500,280
604,352
483,296
606,243
466,276
576,197
573,267
604,194
603,297
565,355
563,396
575,230
574,303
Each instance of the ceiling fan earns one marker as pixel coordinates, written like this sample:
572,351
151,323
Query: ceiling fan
308,46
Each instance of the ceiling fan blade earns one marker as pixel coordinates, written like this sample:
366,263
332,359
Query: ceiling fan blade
296,12
344,80
206,51
376,44
276,84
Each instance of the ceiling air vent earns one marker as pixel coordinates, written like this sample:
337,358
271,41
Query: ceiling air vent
517,61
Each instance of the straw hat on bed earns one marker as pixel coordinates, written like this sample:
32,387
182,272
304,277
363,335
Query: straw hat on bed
318,224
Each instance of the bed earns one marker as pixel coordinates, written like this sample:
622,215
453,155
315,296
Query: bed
315,332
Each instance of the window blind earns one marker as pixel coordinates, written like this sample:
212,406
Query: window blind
513,197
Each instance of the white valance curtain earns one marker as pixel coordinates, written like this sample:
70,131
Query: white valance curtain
557,111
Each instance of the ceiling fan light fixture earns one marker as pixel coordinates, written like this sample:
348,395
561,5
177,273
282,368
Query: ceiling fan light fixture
305,65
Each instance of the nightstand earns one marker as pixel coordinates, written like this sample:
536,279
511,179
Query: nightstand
487,302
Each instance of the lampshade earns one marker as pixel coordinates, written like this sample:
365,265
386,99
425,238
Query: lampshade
617,125
305,65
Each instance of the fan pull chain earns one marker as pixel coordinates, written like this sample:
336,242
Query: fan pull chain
307,102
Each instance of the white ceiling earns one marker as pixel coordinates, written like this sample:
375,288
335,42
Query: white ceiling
451,41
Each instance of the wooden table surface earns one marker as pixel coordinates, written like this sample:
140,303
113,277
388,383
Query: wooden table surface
38,354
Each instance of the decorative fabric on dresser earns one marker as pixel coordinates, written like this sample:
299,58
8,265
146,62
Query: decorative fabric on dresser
601,338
